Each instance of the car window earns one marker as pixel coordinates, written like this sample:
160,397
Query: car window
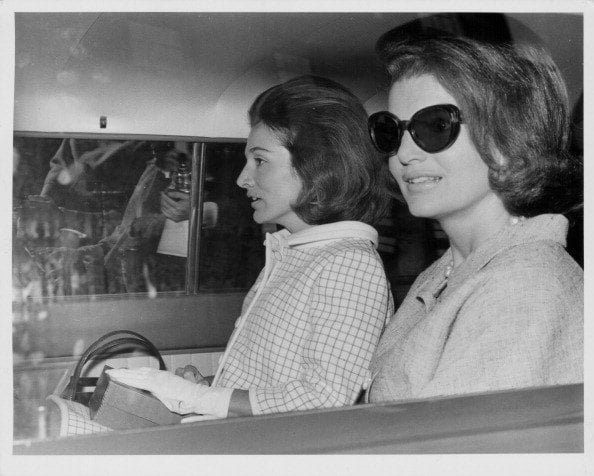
89,218
231,243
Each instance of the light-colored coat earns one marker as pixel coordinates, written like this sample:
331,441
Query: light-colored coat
510,316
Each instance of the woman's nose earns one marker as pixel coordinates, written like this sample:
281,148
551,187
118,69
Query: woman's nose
244,180
409,151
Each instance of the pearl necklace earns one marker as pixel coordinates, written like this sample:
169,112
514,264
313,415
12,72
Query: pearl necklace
449,269
513,221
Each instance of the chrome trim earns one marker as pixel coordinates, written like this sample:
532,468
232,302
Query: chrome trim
196,200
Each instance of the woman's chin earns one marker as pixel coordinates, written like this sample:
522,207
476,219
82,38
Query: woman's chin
421,210
258,218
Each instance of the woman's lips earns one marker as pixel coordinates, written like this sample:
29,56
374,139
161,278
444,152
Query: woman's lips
422,182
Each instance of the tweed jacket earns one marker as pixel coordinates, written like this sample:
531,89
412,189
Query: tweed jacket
510,316
312,320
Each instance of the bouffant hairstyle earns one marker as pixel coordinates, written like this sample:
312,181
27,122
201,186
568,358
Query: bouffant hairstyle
514,101
324,127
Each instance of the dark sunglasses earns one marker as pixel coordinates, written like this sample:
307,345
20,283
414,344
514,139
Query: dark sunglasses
433,128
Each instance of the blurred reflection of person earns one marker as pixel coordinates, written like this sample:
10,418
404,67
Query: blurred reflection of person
79,204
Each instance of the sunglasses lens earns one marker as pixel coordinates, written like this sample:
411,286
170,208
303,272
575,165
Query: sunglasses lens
384,132
435,129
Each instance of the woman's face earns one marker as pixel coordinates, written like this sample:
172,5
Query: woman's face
452,183
270,180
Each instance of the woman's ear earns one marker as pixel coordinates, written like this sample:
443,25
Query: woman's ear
498,163
500,159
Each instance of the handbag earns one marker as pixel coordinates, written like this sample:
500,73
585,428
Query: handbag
103,346
111,405
121,407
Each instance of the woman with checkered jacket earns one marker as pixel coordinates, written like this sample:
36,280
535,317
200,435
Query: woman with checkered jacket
312,320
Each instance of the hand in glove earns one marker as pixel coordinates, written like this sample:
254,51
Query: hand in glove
191,373
177,394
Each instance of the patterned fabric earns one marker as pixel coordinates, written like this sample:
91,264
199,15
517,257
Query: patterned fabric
311,321
510,316
75,418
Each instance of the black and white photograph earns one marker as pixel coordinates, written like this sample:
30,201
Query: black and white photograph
295,238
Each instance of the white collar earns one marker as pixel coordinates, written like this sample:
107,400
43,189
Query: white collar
312,236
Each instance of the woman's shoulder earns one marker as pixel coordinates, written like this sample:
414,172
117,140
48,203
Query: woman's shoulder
349,247
538,258
336,246
347,253
535,275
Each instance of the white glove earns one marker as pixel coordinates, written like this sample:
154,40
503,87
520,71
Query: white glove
177,394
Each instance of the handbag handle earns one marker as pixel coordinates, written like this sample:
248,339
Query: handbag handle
103,345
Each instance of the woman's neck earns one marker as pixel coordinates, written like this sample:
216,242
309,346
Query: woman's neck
467,231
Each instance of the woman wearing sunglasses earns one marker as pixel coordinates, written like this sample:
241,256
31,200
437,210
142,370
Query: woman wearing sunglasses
476,135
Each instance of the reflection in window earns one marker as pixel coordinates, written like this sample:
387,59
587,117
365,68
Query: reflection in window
87,217
94,217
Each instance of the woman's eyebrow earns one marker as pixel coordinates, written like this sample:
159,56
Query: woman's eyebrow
258,149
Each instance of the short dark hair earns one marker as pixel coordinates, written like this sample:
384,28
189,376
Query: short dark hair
324,127
514,100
